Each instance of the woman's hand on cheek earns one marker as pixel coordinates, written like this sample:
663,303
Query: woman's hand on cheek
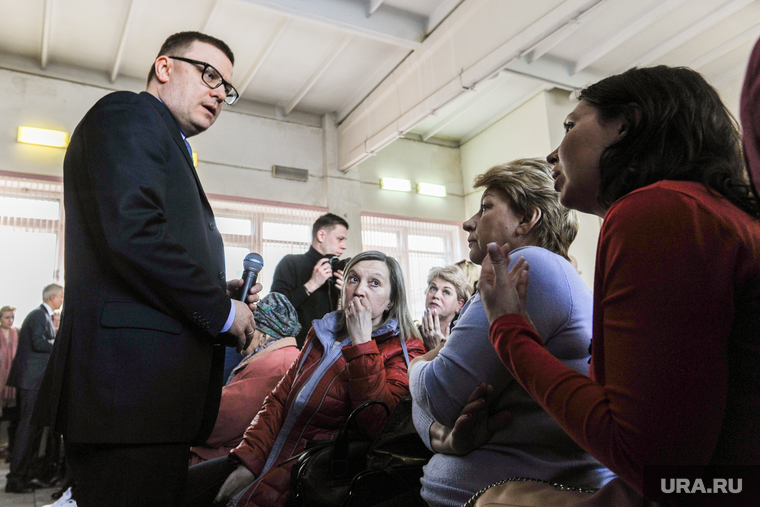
502,290
359,321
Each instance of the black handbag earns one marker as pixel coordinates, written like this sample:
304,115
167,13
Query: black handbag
322,475
352,471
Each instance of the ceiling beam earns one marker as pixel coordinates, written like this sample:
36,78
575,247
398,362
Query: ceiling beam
543,46
263,55
475,96
47,27
747,35
388,24
372,6
631,29
122,43
331,56
555,71
440,13
688,33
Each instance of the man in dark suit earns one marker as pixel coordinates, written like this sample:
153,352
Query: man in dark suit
35,342
136,374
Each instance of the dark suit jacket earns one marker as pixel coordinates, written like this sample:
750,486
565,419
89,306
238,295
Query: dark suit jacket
34,346
138,358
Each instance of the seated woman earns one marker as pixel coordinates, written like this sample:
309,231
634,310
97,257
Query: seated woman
265,361
519,207
447,292
348,357
674,377
471,271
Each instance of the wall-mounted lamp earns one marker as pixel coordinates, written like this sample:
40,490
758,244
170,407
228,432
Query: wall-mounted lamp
43,137
396,184
431,189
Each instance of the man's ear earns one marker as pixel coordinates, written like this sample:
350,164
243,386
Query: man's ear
161,67
529,221
321,236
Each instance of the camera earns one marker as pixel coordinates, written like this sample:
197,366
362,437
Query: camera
337,264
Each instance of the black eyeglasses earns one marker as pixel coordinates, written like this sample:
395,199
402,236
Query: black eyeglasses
213,79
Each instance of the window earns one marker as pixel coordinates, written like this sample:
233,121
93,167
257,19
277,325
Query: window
31,234
418,246
270,230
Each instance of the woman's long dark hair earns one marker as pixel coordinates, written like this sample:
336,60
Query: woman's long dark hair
678,129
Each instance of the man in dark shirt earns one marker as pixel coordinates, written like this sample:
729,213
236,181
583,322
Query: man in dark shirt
303,278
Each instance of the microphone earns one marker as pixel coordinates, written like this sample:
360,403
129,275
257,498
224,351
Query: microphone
252,264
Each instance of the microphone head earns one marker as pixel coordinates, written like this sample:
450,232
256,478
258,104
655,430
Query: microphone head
253,262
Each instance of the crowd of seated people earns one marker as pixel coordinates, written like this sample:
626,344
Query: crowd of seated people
349,357
674,317
519,207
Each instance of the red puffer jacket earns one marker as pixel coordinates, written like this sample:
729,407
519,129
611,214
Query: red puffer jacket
372,370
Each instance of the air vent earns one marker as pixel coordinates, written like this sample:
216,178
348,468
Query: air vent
290,173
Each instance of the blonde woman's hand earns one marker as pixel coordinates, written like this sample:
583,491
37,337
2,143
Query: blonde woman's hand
431,328
358,321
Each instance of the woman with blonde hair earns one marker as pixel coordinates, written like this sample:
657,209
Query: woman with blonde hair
447,291
519,207
350,356
8,347
471,271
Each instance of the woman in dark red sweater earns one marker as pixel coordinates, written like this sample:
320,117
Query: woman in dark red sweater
675,372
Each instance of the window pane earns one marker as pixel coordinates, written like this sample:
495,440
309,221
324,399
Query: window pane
30,259
426,243
379,239
233,261
29,208
287,232
238,226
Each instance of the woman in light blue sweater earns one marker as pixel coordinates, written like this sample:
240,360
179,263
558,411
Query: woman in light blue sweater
519,206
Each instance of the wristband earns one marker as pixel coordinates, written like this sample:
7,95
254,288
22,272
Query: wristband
308,292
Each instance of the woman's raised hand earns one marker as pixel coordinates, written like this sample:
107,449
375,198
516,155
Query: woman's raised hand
502,290
359,321
431,327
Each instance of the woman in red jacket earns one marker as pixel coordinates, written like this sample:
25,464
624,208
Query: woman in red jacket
348,357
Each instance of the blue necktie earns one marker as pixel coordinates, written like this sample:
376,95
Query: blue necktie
189,149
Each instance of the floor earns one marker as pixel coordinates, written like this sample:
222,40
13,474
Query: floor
37,498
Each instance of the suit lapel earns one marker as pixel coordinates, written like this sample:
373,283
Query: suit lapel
171,124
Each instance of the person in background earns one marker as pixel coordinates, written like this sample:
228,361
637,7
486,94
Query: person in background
307,280
266,360
674,377
8,348
447,291
518,207
350,356
471,271
35,344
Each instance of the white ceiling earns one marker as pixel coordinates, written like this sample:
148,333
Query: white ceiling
326,56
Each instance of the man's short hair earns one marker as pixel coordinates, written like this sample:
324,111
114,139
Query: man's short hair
327,222
177,44
51,289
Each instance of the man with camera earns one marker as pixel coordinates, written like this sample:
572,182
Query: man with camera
312,281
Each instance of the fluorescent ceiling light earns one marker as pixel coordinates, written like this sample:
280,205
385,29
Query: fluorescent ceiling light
43,137
431,189
396,184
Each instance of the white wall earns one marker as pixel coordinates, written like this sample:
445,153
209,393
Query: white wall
417,162
532,130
